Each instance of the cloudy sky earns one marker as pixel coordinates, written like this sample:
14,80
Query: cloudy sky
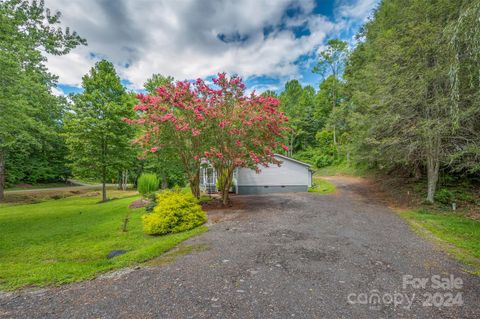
267,42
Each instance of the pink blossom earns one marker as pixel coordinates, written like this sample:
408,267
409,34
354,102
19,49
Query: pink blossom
153,149
195,131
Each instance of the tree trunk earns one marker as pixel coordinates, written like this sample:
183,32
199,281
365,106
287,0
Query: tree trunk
334,135
433,166
195,184
2,176
334,106
226,187
120,180
104,192
104,186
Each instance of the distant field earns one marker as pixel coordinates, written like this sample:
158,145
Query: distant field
66,240
38,186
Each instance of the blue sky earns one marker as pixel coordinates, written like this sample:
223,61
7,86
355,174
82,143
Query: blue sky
267,42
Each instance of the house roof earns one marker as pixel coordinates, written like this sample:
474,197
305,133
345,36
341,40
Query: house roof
292,160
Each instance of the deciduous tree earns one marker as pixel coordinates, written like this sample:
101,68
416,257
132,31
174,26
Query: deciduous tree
97,137
27,29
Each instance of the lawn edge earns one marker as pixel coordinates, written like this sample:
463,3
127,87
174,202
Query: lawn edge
124,265
471,263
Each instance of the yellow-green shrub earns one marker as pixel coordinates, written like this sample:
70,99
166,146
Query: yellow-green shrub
176,211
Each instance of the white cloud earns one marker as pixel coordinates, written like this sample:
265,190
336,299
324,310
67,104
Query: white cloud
356,9
182,38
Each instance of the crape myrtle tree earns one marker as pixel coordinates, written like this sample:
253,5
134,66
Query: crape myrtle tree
28,29
98,139
245,130
165,162
219,123
173,121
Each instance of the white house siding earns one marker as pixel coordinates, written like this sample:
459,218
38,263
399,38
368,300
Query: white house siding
291,176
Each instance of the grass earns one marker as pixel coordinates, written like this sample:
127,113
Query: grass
322,186
67,240
45,195
458,234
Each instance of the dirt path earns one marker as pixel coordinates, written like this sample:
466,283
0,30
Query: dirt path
279,256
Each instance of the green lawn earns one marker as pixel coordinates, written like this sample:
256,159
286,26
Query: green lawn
66,240
321,186
458,234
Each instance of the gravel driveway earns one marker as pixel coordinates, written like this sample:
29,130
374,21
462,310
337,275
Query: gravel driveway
279,256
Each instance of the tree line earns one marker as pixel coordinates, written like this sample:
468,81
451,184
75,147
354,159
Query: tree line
405,99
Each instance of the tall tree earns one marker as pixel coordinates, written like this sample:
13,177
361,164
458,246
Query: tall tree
290,104
173,121
400,82
331,62
165,163
463,34
27,29
97,137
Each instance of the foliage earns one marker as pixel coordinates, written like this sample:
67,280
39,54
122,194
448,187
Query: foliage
244,130
219,123
68,240
147,184
444,196
176,211
98,139
400,87
30,113
165,162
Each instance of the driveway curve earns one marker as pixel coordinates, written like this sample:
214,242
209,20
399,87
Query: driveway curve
300,255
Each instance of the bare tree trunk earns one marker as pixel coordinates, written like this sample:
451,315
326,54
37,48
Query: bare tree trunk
2,176
433,166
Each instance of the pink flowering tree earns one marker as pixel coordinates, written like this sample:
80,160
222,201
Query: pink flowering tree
219,123
174,120
244,130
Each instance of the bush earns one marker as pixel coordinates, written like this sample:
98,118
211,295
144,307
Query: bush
444,196
147,184
176,211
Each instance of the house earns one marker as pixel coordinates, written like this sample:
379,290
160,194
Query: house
290,176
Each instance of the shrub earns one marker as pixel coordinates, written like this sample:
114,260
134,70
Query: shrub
176,211
444,196
147,184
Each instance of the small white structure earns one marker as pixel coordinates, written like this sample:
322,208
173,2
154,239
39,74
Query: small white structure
290,176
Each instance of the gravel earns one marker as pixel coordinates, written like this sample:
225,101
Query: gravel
281,256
